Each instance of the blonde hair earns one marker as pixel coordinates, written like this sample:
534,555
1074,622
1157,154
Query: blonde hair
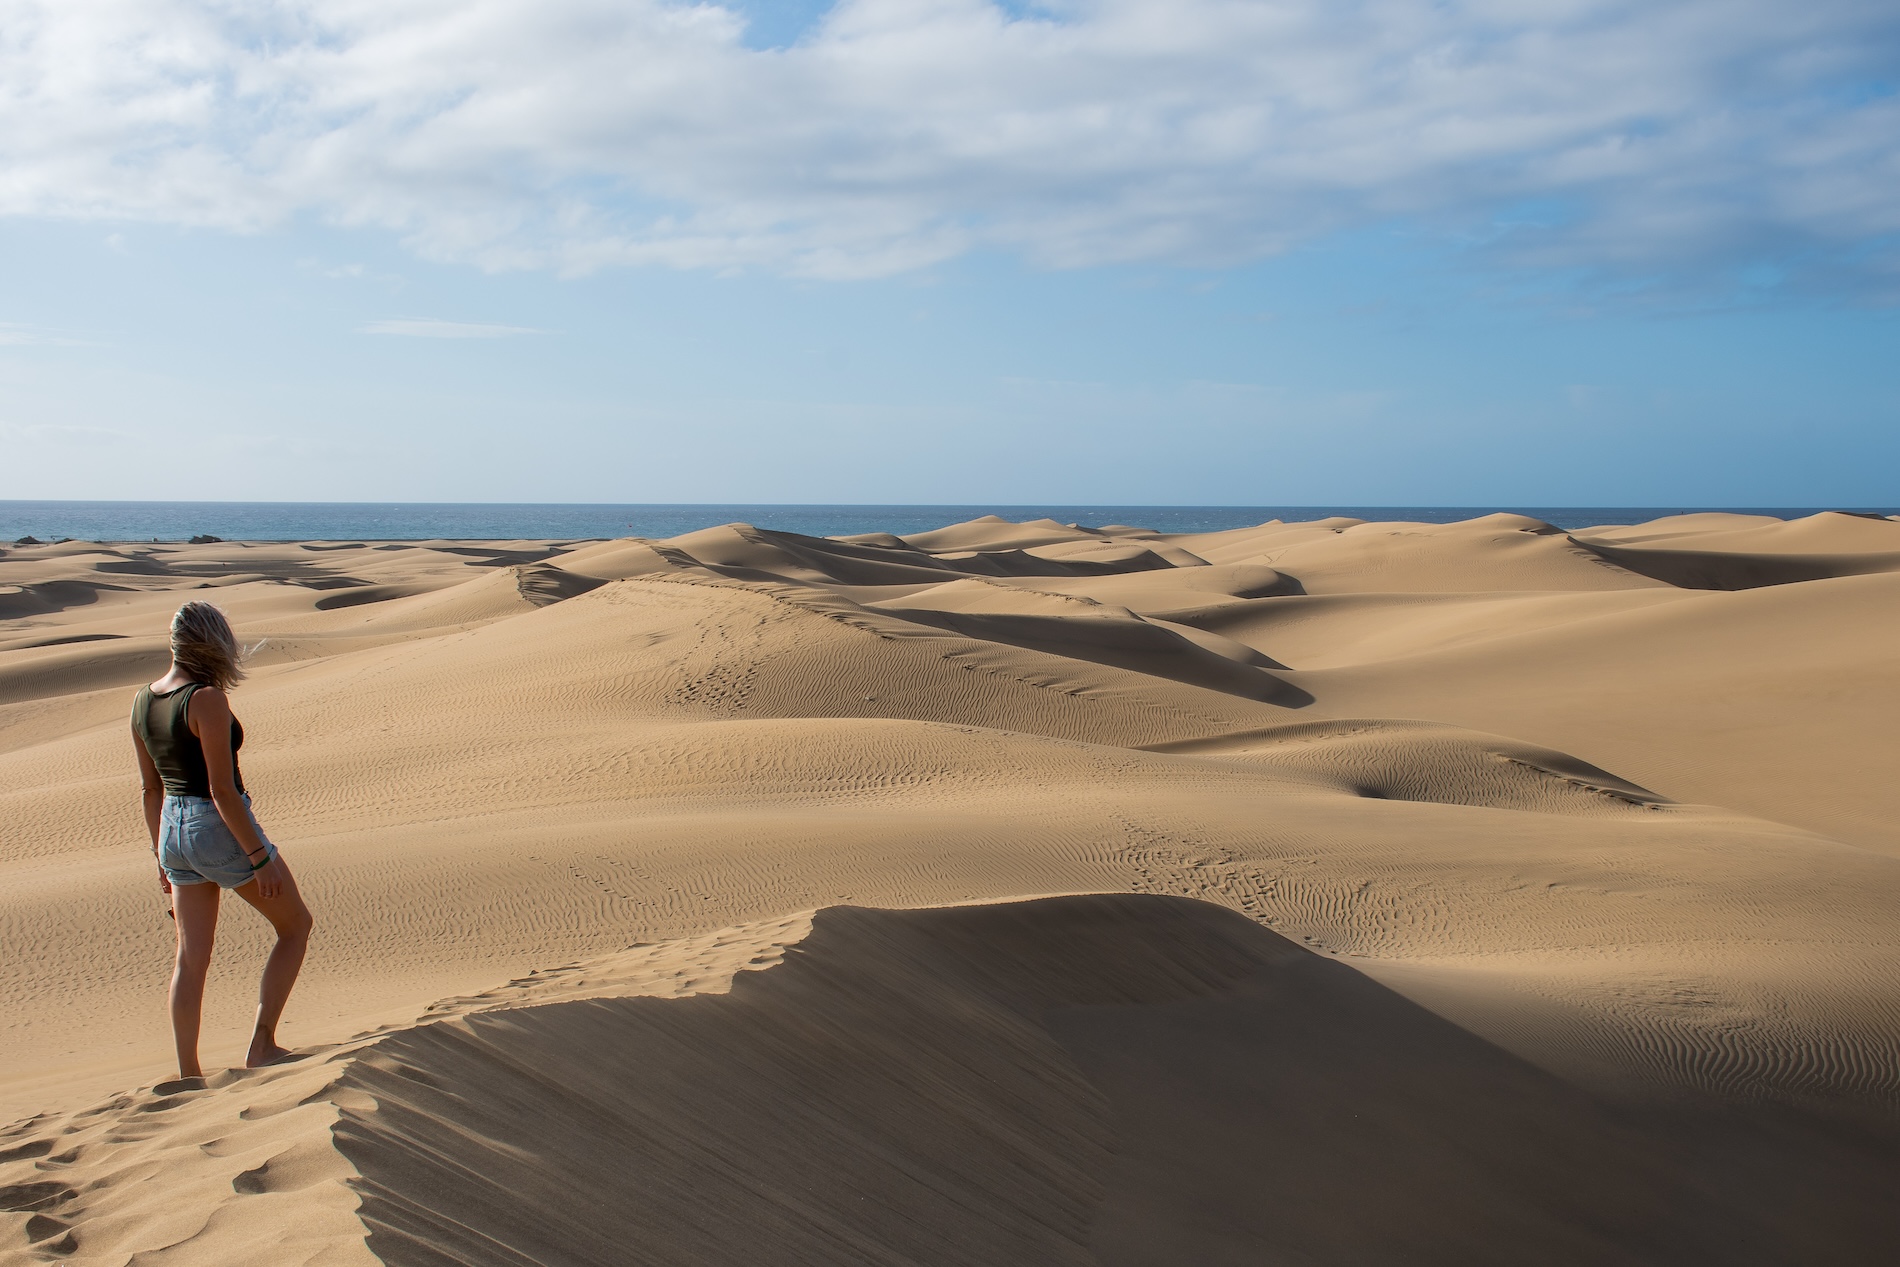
204,646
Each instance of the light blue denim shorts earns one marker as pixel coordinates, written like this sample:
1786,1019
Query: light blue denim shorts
195,847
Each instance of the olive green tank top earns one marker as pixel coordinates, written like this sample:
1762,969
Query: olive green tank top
159,720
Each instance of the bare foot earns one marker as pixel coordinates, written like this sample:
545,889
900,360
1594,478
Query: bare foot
264,1051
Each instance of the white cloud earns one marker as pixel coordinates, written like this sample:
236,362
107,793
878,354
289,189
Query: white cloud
427,329
13,335
59,433
1669,137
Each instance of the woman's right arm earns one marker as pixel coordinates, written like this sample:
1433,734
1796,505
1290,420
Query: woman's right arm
152,792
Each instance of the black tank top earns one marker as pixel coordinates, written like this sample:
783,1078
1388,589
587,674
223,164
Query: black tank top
160,723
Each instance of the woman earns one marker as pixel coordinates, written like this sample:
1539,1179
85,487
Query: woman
203,832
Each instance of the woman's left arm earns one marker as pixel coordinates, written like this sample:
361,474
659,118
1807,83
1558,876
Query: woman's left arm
209,716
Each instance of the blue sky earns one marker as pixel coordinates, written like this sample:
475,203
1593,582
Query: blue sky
940,251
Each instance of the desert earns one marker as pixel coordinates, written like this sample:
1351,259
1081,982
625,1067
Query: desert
1331,892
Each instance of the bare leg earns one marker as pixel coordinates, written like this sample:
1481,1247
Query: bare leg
195,910
291,918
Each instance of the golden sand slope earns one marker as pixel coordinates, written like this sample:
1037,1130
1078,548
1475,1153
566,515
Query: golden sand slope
1609,811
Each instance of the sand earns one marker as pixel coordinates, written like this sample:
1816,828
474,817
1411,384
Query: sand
1334,892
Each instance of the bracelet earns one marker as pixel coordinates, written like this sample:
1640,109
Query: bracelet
259,866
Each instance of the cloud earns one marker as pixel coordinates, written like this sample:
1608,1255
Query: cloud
59,433
14,335
427,329
1686,139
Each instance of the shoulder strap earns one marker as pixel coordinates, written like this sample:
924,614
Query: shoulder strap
181,719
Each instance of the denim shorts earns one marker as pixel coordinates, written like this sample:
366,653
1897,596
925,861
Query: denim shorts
195,847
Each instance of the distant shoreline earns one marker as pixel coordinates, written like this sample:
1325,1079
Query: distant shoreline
171,522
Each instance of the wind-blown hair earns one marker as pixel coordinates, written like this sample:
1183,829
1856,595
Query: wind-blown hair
204,646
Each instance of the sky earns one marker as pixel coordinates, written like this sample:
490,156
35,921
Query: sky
1243,252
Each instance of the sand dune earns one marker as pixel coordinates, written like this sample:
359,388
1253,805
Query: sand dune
1488,893
1345,556
1115,1079
1777,700
1831,532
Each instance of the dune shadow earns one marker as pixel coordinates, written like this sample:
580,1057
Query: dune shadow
363,595
1121,1079
1137,645
1724,570
43,598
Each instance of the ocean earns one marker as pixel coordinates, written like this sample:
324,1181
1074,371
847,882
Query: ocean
428,521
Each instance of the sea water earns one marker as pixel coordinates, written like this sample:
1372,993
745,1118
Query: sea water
490,521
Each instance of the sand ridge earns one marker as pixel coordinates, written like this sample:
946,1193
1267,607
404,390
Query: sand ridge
1621,841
